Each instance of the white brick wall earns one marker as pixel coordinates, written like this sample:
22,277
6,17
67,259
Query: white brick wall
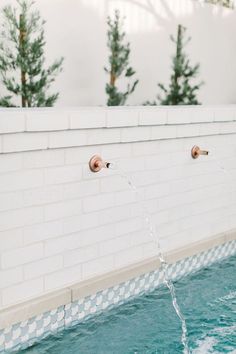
60,223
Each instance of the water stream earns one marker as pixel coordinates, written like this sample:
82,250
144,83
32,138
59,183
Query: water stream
164,265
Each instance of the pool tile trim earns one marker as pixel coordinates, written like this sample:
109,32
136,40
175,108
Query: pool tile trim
88,298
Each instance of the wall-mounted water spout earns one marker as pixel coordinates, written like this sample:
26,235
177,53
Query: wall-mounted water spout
196,152
96,163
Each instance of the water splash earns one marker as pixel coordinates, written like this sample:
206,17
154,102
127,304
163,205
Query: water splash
164,264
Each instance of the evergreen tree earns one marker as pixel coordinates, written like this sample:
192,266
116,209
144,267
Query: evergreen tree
180,91
22,55
118,63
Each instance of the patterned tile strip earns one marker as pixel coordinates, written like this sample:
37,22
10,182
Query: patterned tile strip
24,334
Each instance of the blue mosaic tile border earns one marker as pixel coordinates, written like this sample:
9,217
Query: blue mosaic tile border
24,334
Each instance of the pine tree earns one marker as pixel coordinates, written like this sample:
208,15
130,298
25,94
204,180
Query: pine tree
22,56
118,63
180,91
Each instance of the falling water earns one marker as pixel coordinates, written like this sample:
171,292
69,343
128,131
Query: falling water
164,264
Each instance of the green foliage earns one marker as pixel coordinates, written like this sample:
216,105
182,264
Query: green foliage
118,63
180,91
22,55
225,3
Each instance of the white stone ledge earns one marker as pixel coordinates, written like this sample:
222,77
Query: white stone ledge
33,307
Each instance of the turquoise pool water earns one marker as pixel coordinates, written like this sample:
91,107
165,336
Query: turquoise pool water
148,324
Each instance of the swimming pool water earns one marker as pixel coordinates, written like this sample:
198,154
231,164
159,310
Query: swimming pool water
148,324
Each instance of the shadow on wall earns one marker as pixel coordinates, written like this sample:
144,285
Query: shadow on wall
78,32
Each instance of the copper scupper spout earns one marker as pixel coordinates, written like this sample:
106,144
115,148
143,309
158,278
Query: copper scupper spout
96,163
196,152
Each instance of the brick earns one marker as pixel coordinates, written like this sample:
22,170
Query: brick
22,292
67,138
43,267
10,277
114,245
228,128
42,231
209,129
103,136
112,184
80,154
46,158
10,200
99,202
91,118
62,210
21,180
128,256
63,174
135,134
121,117
81,189
163,132
43,195
20,217
10,162
179,115
224,114
202,115
46,121
188,130
62,278
24,142
21,256
11,239
81,255
153,116
12,122
97,266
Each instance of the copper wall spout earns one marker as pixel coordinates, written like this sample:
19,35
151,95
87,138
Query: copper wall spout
196,152
96,163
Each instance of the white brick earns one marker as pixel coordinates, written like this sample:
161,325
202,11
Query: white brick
81,189
135,134
44,195
82,255
81,154
67,138
128,226
115,245
46,121
10,162
20,217
21,256
46,158
180,115
157,191
62,210
43,267
164,132
128,256
24,142
153,116
22,292
21,180
202,115
122,117
63,174
228,128
62,278
97,266
188,130
224,114
10,277
11,239
116,151
11,122
11,200
209,129
91,118
43,231
98,202
103,136
114,183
